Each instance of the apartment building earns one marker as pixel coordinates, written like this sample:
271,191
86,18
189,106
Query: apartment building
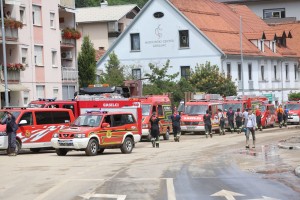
33,50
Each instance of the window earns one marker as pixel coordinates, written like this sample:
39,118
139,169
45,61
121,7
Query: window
38,55
26,97
135,42
185,71
296,71
54,53
68,92
250,71
52,20
275,72
69,106
55,92
24,56
22,15
262,48
28,118
36,15
158,15
240,71
274,13
228,70
286,72
262,72
136,74
127,119
273,46
160,111
52,117
184,38
40,91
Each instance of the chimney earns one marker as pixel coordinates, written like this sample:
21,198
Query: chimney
103,3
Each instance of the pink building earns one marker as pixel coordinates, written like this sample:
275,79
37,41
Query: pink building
34,46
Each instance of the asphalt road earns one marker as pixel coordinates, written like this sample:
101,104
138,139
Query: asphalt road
217,168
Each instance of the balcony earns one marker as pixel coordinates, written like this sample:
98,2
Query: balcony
69,74
11,34
12,76
67,43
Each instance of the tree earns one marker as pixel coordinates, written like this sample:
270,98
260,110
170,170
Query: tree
86,63
86,3
114,74
294,96
208,79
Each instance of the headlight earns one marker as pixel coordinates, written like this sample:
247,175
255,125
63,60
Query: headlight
79,135
55,135
201,123
3,134
145,126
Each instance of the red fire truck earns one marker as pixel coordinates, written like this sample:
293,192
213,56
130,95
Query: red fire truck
294,111
192,118
161,105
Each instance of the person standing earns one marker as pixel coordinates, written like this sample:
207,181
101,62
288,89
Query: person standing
221,121
154,130
250,122
258,118
238,115
245,116
230,117
280,115
176,125
285,116
11,128
207,124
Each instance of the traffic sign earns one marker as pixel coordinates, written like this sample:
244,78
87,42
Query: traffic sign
269,96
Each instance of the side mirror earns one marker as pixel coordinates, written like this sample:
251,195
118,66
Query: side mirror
22,122
105,125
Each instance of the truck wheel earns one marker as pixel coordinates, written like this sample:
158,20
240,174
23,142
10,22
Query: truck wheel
182,133
101,150
127,145
92,148
166,136
35,150
61,152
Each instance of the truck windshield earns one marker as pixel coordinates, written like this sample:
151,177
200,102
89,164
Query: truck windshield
146,109
263,108
293,106
196,109
88,120
234,106
181,107
36,105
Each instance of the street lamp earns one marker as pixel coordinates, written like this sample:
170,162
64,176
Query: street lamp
4,54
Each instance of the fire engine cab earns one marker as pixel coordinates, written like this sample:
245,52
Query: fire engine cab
192,118
161,105
294,111
96,131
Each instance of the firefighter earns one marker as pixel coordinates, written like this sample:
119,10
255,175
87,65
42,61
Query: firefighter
258,118
155,130
280,115
207,124
176,125
230,117
238,116
285,116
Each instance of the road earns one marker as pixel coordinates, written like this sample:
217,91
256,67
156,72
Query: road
217,168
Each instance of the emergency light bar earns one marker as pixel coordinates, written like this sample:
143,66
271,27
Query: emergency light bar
42,99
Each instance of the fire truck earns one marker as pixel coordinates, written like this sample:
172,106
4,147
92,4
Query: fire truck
161,106
192,117
294,111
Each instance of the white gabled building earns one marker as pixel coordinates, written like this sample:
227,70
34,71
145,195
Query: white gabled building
191,32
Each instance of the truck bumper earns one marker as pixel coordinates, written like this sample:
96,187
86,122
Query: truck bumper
76,143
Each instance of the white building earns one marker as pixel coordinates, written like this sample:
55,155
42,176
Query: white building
272,11
190,32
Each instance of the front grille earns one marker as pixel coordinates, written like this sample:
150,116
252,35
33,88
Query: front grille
191,123
66,135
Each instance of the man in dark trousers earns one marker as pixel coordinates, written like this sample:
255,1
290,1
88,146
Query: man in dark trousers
207,124
176,125
230,117
11,128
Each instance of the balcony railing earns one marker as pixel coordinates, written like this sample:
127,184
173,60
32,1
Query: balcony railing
10,33
69,74
68,42
12,76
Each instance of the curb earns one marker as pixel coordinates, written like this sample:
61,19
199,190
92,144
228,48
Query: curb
291,147
297,171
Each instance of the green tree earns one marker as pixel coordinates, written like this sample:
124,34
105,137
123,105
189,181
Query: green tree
208,79
114,74
86,3
294,96
86,63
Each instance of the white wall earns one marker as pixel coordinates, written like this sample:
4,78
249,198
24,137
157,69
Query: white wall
159,41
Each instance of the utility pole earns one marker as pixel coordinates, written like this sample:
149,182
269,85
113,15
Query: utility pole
4,54
242,58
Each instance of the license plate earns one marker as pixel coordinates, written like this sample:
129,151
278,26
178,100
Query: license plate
65,142
290,118
191,127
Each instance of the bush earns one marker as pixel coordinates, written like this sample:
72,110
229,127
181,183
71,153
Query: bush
294,96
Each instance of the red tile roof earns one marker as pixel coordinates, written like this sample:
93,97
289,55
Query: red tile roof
221,24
